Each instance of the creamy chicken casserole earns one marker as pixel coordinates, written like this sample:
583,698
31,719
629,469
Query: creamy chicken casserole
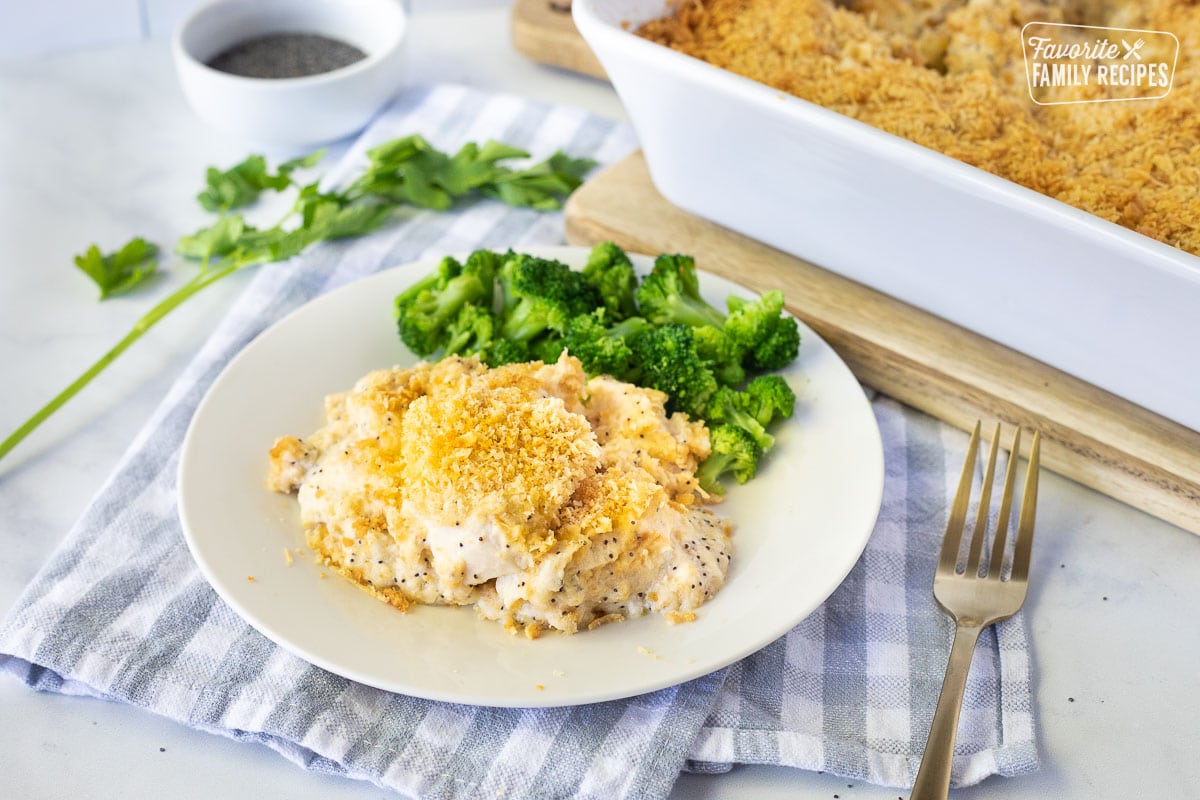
543,499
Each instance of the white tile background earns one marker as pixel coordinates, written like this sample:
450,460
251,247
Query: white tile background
35,27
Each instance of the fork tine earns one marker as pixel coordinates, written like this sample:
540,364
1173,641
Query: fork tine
1020,570
958,511
985,503
1010,481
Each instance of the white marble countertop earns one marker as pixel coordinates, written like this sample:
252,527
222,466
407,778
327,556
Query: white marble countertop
98,145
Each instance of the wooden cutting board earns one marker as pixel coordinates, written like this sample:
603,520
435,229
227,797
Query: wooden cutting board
543,31
1089,435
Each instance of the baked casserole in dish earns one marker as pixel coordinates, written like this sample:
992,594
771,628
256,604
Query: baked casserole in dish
903,144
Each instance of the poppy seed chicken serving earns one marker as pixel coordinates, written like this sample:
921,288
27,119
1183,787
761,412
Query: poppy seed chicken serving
544,499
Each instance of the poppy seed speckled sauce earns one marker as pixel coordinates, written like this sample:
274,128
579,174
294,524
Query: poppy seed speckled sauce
286,55
545,499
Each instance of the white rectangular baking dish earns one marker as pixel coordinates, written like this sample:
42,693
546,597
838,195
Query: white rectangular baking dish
1108,305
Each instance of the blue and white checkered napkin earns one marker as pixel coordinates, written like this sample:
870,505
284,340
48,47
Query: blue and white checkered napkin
122,612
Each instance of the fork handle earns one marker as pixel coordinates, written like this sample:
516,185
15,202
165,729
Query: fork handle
933,778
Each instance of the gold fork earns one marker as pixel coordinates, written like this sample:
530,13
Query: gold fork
974,601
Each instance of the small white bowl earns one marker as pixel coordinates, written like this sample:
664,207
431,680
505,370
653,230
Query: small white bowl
292,111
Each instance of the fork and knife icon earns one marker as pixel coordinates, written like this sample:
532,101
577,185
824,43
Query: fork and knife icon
1131,50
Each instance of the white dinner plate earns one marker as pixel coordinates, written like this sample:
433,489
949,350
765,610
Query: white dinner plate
799,526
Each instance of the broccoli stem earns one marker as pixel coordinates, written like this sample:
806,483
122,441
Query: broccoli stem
627,327
458,342
409,294
458,292
697,314
710,471
524,323
206,277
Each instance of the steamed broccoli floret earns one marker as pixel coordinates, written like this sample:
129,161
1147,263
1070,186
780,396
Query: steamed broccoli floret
471,332
728,407
611,272
425,310
764,400
506,351
542,295
671,293
667,360
603,350
768,398
767,338
735,452
721,354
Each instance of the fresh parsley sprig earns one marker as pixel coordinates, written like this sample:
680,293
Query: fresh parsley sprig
119,272
407,171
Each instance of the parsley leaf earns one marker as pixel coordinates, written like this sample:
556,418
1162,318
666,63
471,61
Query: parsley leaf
241,184
117,273
332,222
541,186
219,239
